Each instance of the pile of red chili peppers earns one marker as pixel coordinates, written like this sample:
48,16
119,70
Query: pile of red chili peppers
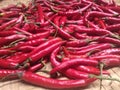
76,37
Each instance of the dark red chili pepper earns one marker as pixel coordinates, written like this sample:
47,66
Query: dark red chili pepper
35,79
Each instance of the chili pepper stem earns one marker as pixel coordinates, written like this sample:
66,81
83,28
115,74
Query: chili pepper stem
101,69
104,78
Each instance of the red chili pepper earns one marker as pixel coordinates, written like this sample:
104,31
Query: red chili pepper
113,51
39,54
56,20
75,74
7,33
78,43
38,66
90,70
99,58
73,62
112,62
113,27
98,47
40,14
7,64
82,48
63,20
5,52
9,74
26,49
5,25
62,32
11,38
35,79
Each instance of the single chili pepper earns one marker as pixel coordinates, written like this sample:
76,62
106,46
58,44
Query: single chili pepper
39,54
99,14
76,11
3,26
113,51
98,47
26,49
6,74
7,64
39,35
40,14
82,48
11,38
78,22
63,20
113,27
35,79
19,59
75,74
108,40
56,20
5,52
112,62
97,31
105,57
7,33
78,43
81,36
22,31
35,42
73,62
111,20
90,70
9,14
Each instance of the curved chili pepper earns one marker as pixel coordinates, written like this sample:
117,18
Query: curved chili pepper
35,79
91,70
73,62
